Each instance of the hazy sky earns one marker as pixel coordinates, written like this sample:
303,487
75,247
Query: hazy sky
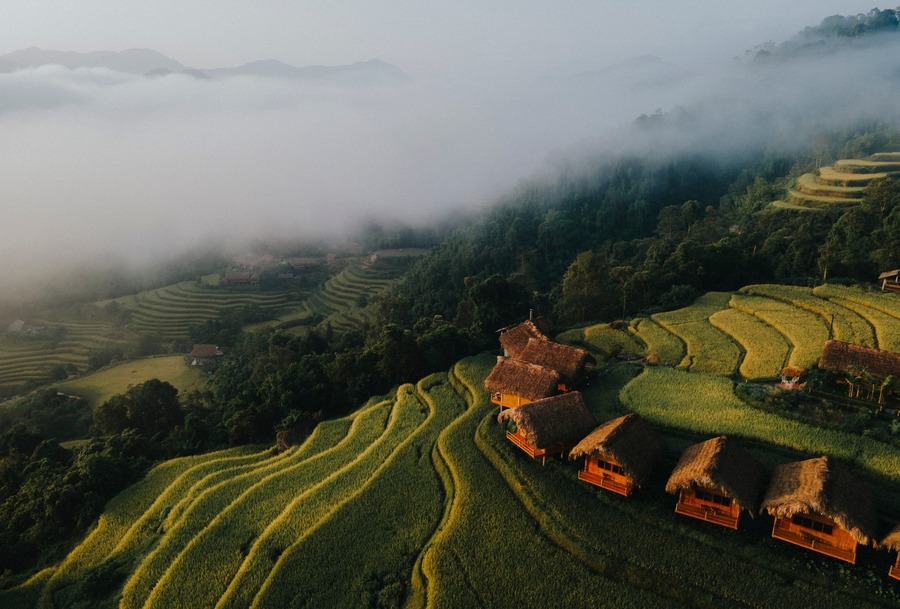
100,165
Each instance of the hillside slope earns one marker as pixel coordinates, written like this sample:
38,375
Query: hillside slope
418,500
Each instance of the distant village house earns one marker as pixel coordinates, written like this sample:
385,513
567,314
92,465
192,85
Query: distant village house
205,356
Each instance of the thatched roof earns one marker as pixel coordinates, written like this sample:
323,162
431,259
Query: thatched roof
722,466
892,541
567,361
793,371
841,357
628,440
529,381
513,339
561,419
820,485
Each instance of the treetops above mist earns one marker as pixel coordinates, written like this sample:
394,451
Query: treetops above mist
834,33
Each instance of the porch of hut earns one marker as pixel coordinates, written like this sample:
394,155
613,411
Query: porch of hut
549,426
820,506
715,480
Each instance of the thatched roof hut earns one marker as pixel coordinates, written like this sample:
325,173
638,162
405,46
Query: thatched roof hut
821,486
721,465
559,420
892,541
839,356
629,441
529,381
513,339
567,361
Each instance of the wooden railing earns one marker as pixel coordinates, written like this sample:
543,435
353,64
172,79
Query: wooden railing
605,481
707,513
814,543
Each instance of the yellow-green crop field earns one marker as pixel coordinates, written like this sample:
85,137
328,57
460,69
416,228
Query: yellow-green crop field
419,501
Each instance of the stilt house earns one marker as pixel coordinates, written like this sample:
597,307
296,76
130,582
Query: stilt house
715,480
619,454
513,382
892,542
821,506
568,362
550,426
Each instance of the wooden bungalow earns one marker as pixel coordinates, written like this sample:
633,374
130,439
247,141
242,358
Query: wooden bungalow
881,366
821,506
619,454
892,542
890,280
549,426
513,382
513,339
568,361
715,480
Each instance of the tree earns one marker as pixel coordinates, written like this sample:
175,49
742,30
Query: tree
151,408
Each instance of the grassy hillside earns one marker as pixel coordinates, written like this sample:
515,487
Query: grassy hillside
418,500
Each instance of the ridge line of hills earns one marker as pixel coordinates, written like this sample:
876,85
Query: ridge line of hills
150,63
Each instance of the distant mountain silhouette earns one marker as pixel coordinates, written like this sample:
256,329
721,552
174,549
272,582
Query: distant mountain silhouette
360,73
154,64
131,61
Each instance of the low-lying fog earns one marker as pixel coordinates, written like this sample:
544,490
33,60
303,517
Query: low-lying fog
100,166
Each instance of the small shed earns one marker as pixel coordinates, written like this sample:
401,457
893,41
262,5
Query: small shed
892,542
792,377
513,339
715,480
550,426
568,361
881,366
619,454
890,280
819,505
513,383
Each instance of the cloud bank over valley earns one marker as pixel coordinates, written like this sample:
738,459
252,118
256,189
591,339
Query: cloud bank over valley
107,165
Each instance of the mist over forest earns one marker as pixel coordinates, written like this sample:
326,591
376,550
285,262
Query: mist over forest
107,165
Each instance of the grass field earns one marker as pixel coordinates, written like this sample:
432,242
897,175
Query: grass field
100,386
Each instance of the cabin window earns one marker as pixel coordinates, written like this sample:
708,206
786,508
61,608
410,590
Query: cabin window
609,467
714,498
809,523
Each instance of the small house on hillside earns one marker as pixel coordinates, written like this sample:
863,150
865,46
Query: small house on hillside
240,278
821,506
513,383
513,339
549,426
792,377
568,361
206,356
892,542
619,454
890,280
878,370
715,480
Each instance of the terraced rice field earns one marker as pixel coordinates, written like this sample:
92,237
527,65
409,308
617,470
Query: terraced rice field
31,357
419,501
844,183
170,311
342,301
